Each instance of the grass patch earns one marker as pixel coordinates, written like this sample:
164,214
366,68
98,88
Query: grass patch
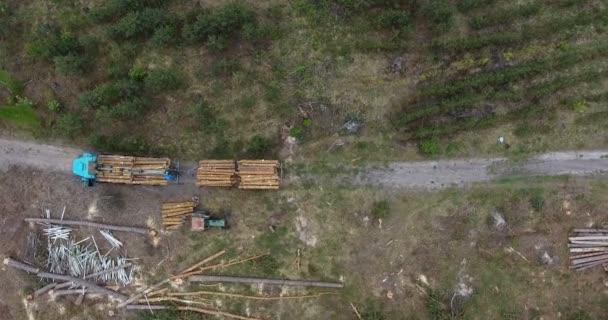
21,114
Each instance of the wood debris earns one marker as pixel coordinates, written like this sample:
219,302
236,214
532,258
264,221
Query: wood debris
216,173
259,174
588,248
174,214
124,169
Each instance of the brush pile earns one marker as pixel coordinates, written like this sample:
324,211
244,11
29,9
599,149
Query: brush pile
216,173
259,174
174,214
124,169
588,248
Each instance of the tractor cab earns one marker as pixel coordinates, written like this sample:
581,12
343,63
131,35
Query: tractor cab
85,167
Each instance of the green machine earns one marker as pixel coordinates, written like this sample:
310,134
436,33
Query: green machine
202,220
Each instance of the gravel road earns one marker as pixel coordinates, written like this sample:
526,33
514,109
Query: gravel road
420,174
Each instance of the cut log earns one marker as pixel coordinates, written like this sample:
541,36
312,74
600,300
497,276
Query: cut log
278,282
22,266
89,224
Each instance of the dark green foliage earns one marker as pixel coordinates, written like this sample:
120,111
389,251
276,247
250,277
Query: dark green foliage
90,99
139,23
537,201
112,9
395,19
220,24
467,5
296,132
70,64
49,42
265,266
64,50
439,13
129,109
505,16
381,209
430,147
137,73
69,124
259,146
123,144
165,35
532,31
205,118
165,79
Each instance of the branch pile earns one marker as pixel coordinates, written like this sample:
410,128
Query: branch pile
124,169
216,173
588,248
174,214
259,174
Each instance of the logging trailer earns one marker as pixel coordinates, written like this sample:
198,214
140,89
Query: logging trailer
91,167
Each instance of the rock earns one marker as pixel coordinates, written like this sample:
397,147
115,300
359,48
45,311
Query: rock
545,255
397,65
497,221
351,127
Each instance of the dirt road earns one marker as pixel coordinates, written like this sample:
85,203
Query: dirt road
445,173
421,174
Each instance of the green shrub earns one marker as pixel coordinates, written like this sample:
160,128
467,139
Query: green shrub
381,209
129,109
296,132
537,201
139,23
505,16
70,124
23,102
165,36
259,146
395,19
439,13
217,43
70,64
205,118
54,105
248,102
137,73
430,147
220,23
90,99
467,5
307,122
49,42
163,79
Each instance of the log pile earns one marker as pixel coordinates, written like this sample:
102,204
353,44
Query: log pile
215,173
588,248
174,214
259,174
123,169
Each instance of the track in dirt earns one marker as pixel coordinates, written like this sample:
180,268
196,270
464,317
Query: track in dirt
420,174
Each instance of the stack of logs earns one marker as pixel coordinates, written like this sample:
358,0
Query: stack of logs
259,174
216,173
120,169
175,213
588,248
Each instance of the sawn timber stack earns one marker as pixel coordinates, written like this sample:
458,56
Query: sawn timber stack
174,214
132,170
259,174
216,173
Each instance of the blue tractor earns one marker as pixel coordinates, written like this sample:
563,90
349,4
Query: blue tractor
91,167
